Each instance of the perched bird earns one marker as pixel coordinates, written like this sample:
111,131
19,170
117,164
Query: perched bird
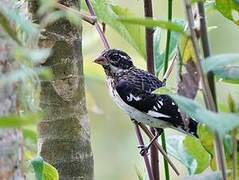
132,90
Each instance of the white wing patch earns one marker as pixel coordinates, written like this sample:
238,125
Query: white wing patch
157,114
131,97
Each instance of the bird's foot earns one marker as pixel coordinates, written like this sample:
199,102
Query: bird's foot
143,150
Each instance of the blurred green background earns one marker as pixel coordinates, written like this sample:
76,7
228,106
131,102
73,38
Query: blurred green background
113,137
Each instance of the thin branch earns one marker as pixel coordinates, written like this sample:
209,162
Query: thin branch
208,98
161,150
205,46
141,143
170,5
168,36
234,154
101,33
90,19
148,12
170,68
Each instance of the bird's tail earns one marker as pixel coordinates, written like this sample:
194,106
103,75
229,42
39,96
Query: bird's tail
192,127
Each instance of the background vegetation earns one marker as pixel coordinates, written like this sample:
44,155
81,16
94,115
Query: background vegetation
112,134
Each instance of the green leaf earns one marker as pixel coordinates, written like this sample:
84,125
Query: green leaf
196,150
136,32
5,23
109,14
149,22
224,66
19,121
37,164
205,176
220,122
43,170
30,134
206,138
229,9
175,147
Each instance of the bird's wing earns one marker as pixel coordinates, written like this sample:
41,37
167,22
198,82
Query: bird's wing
160,107
157,106
141,79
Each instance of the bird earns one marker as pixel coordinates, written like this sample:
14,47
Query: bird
132,89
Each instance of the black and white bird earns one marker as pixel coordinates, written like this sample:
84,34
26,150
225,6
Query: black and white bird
132,90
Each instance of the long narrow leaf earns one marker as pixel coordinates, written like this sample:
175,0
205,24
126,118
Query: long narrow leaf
149,22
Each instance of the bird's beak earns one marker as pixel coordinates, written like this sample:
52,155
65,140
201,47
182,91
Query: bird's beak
100,60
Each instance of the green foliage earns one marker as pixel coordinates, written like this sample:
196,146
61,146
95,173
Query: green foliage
43,170
7,28
206,176
109,14
196,150
229,9
228,121
149,22
224,66
176,149
190,152
206,138
19,121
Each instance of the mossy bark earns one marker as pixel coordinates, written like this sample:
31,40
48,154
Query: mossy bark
64,135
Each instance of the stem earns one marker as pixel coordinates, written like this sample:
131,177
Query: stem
170,5
170,68
205,46
168,36
141,143
151,136
148,12
234,154
90,19
102,35
208,98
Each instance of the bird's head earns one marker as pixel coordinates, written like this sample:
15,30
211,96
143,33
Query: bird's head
113,61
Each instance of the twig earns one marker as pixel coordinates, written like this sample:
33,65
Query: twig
168,36
148,12
141,143
167,176
205,46
234,154
206,89
170,68
90,19
102,36
161,150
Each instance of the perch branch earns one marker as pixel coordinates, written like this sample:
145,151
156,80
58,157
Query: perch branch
141,143
161,150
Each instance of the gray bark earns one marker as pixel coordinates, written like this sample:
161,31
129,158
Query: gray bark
64,135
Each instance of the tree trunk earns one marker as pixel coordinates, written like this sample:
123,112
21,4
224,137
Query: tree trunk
64,135
10,138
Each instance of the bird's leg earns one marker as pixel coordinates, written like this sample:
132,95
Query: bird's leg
144,149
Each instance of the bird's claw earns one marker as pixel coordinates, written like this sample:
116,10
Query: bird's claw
143,150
